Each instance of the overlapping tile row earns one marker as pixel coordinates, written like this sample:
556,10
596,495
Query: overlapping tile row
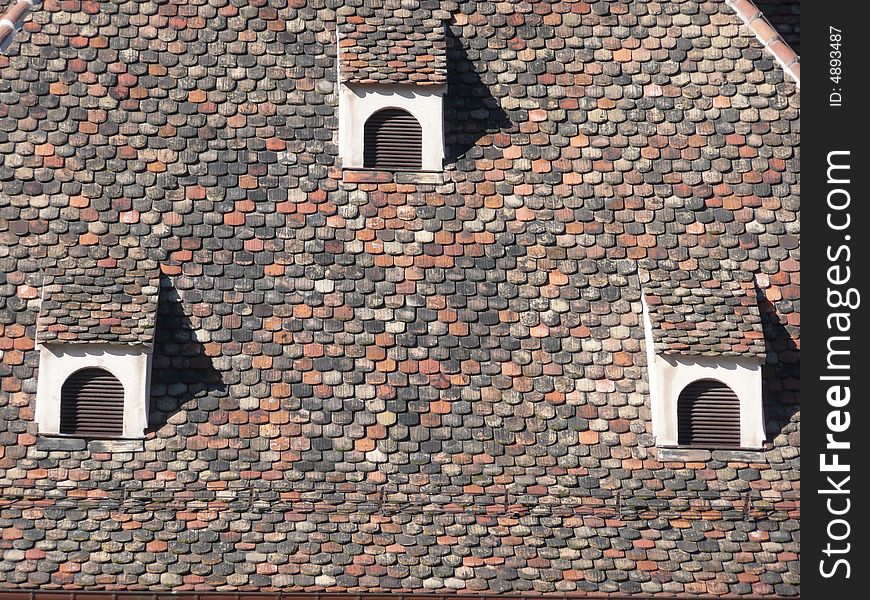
704,313
392,41
400,551
329,333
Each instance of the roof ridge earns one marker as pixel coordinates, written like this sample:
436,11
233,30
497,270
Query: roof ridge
13,20
753,18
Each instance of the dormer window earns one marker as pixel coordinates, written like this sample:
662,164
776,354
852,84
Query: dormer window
392,68
705,348
393,141
392,127
93,390
95,334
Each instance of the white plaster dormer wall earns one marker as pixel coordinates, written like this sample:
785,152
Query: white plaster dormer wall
673,373
360,101
131,365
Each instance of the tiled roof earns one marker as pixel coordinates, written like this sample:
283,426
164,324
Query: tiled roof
704,313
471,349
393,41
99,304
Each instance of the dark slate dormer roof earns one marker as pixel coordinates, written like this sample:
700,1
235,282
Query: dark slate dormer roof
96,303
392,41
713,314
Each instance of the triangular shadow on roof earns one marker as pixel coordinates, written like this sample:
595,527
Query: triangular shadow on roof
781,373
180,371
470,109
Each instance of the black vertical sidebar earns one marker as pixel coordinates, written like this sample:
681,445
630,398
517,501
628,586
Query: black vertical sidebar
835,357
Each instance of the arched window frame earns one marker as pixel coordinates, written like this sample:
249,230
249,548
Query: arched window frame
130,364
669,374
358,102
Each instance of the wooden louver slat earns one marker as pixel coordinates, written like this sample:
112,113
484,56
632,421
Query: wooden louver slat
708,414
92,404
393,140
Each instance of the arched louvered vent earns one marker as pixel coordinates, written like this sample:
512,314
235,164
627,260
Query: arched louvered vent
393,140
92,404
708,412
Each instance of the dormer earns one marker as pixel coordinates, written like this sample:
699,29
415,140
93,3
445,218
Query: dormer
95,334
393,77
705,348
